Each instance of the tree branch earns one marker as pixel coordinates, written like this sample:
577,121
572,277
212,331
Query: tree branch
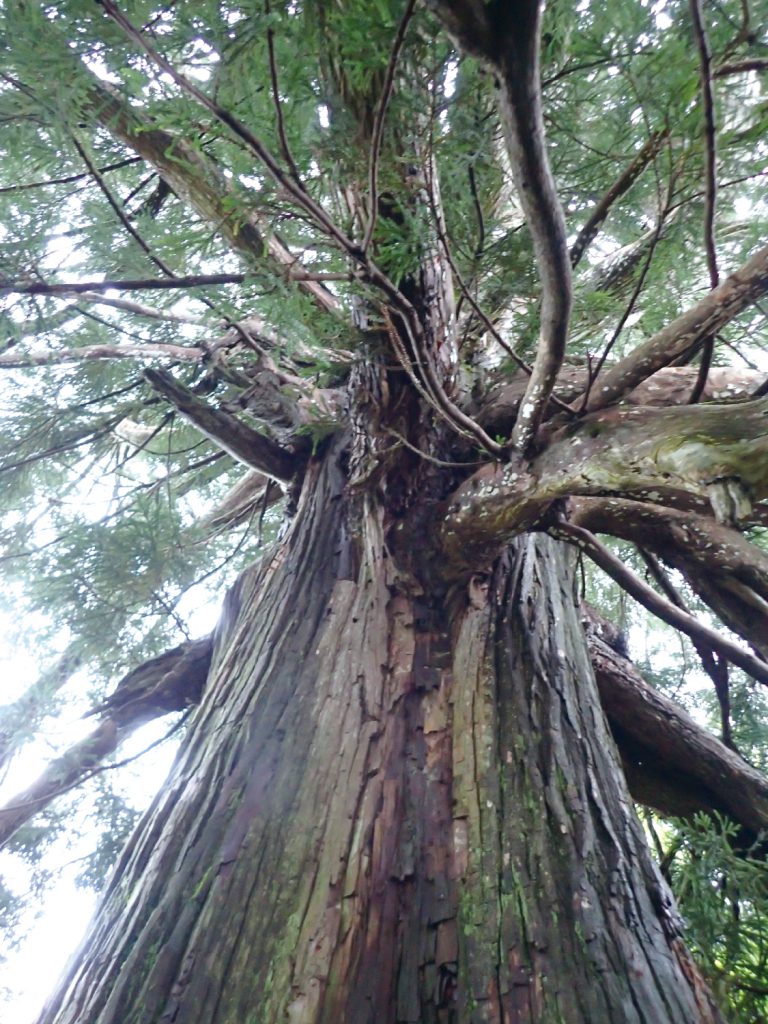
171,682
659,606
739,67
697,456
25,287
230,434
672,764
622,185
508,42
378,124
58,357
686,333
727,571
710,182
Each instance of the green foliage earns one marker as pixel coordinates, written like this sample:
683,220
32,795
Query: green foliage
722,892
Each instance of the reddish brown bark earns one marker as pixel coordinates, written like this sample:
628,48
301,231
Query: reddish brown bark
377,818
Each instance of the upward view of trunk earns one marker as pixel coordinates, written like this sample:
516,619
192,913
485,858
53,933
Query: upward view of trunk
394,806
398,799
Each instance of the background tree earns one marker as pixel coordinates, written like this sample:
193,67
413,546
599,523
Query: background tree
445,290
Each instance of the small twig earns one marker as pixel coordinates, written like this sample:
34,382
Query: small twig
15,359
285,149
118,210
431,458
68,178
378,124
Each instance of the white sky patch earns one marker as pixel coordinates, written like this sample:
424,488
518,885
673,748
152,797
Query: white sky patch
451,74
324,116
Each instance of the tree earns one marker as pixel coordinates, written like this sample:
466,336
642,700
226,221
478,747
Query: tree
452,283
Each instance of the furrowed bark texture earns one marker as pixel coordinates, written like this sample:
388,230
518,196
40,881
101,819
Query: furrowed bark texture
380,819
557,876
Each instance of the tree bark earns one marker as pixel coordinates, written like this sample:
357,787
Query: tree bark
384,813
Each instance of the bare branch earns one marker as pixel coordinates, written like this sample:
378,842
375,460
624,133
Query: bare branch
524,130
653,602
152,312
710,182
26,287
284,147
16,359
695,456
621,186
230,434
710,140
685,334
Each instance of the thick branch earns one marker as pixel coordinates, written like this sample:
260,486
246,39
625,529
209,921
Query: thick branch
699,455
669,386
672,764
230,434
171,682
682,337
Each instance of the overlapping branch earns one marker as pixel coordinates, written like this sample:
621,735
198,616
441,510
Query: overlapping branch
655,603
684,334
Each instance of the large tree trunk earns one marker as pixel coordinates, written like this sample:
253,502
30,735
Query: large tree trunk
382,815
